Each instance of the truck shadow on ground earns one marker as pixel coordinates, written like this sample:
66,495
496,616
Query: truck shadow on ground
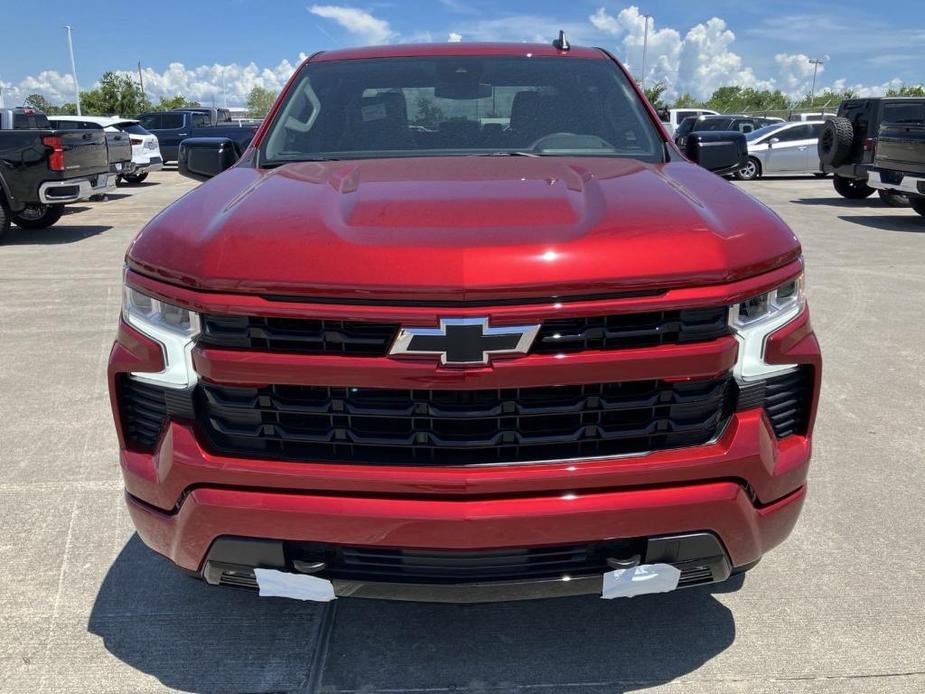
837,201
194,637
52,236
908,221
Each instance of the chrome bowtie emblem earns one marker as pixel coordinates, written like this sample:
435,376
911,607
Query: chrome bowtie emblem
464,341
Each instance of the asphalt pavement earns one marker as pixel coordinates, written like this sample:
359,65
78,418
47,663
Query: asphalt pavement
85,607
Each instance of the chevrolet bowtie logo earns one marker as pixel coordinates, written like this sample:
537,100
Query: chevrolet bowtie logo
464,341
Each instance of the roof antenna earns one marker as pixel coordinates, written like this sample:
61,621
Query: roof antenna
561,43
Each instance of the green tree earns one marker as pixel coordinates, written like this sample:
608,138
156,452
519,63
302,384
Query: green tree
40,103
428,113
827,99
686,100
732,99
259,102
654,94
166,103
907,90
117,94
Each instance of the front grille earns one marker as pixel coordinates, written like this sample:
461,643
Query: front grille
632,330
300,335
357,338
459,427
455,566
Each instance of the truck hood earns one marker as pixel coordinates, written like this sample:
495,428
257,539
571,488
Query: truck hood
462,229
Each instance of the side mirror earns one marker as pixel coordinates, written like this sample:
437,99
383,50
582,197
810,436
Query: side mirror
720,152
773,140
201,158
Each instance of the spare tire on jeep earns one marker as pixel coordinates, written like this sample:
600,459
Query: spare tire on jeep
836,141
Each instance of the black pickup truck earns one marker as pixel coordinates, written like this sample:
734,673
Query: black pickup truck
42,169
871,136
172,127
899,164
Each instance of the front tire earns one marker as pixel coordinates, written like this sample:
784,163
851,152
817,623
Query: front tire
918,204
893,199
38,216
135,178
750,171
4,220
852,188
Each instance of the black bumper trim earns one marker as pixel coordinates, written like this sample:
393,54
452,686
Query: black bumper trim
700,557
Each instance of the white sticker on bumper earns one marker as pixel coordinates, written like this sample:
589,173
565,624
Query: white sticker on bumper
640,580
278,584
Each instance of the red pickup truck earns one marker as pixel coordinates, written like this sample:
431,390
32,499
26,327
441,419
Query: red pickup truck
463,324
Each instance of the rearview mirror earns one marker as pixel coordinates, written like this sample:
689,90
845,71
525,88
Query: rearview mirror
201,158
719,152
773,140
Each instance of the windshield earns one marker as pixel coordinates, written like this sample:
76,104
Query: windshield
713,124
444,106
132,128
761,132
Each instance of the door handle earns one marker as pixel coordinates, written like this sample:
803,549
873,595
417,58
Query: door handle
182,134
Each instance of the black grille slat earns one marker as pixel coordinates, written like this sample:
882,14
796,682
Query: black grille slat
143,410
358,338
786,400
448,427
301,335
632,330
459,566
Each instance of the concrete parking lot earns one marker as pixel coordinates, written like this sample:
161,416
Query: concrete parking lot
85,607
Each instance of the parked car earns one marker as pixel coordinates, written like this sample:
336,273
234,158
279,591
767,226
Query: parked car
217,116
742,124
464,363
145,152
782,148
42,169
848,144
671,117
809,116
172,127
899,161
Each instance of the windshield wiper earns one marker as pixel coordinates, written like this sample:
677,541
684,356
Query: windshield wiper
279,162
509,154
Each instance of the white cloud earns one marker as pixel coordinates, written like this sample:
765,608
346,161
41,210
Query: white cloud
454,37
367,28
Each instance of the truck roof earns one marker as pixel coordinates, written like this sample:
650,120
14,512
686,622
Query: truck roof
456,49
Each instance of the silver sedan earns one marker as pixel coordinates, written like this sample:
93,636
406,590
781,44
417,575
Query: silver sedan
783,148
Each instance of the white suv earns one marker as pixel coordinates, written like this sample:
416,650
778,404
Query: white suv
146,152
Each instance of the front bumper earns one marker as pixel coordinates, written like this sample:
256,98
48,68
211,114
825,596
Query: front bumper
62,192
745,488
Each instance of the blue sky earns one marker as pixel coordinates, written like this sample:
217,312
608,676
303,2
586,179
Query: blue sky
187,45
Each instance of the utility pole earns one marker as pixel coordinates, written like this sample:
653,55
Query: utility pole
141,81
645,46
70,48
815,62
224,94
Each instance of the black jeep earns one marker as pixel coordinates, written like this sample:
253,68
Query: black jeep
850,144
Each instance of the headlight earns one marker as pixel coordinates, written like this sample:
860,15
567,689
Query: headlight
757,317
173,327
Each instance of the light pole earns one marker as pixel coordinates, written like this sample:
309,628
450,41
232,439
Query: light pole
815,62
70,48
645,46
